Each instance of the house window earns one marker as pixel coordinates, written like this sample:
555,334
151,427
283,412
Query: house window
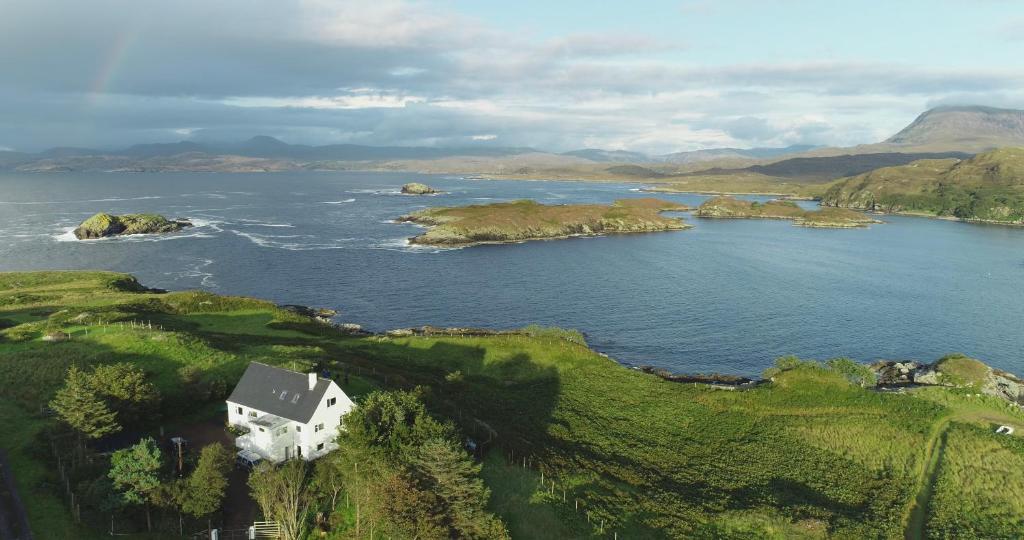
318,428
282,395
298,428
332,401
320,447
261,430
239,411
252,414
282,431
295,398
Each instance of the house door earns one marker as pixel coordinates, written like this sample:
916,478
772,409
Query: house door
287,453
298,451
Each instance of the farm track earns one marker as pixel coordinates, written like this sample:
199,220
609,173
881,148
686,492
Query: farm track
926,483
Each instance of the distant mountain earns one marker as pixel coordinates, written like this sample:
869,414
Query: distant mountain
967,127
613,156
697,156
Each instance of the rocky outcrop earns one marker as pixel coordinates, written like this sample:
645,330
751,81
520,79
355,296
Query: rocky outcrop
416,188
103,225
323,315
955,371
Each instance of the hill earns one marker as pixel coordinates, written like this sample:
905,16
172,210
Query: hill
577,445
827,168
966,126
988,187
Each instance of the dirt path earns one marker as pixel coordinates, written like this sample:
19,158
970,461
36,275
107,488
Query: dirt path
925,485
13,520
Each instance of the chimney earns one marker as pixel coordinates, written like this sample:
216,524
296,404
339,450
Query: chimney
312,381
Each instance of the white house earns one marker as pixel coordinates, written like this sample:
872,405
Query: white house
288,414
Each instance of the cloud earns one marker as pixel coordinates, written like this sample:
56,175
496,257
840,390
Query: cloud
114,72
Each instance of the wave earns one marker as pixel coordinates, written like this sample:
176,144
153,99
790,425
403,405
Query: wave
338,202
275,241
386,191
258,223
197,271
112,199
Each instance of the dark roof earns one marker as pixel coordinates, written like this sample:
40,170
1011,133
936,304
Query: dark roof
280,392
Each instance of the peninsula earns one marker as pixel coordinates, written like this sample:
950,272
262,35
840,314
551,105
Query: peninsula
826,218
522,220
987,188
102,225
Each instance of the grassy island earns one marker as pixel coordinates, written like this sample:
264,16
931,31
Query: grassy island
102,225
523,220
832,218
988,188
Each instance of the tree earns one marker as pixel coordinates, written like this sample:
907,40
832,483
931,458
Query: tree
128,392
208,483
134,471
444,469
282,494
393,421
409,474
329,478
78,406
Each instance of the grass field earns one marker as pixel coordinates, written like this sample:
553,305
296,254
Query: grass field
807,456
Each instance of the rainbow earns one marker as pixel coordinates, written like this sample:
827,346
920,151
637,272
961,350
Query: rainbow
110,65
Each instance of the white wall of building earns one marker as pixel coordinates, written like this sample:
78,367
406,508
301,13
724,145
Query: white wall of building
310,440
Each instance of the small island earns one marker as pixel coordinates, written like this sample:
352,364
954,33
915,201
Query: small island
826,218
103,225
523,220
416,188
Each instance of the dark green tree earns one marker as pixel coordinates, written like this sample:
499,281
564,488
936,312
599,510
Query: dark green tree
208,483
135,473
444,469
78,406
127,391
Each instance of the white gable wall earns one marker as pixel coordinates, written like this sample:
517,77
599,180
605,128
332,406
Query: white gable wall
329,416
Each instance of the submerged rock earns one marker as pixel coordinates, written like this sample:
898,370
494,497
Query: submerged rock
103,225
416,188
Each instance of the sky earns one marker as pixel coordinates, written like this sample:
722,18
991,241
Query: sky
648,76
